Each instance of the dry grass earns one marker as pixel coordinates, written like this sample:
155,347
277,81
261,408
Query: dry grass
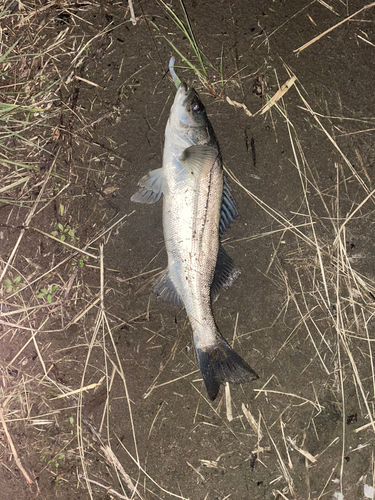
331,288
34,296
328,298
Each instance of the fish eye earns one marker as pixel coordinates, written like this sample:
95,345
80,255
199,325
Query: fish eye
197,107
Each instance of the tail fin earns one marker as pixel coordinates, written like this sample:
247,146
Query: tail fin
222,364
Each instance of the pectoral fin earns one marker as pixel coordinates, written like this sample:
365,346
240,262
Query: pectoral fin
198,159
152,187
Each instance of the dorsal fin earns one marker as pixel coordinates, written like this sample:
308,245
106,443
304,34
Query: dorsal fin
229,210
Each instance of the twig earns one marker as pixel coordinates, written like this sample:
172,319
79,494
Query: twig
303,47
132,14
110,457
80,250
228,402
14,451
315,405
252,422
28,220
305,453
108,489
279,94
239,105
86,388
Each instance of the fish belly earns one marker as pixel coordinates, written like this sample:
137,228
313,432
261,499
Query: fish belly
191,230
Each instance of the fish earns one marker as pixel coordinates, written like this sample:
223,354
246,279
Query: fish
198,207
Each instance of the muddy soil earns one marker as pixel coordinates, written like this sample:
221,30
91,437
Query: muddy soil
303,167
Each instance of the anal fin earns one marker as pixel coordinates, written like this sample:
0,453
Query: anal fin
164,290
225,273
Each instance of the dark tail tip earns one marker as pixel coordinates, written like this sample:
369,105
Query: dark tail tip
222,364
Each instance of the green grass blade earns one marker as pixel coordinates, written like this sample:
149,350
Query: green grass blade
192,39
189,64
4,56
14,184
6,108
188,33
17,164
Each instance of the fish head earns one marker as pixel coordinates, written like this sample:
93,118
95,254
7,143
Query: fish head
188,123
188,110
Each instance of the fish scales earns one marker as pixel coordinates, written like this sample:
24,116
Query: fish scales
197,208
191,218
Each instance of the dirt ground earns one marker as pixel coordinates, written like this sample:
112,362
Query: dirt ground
100,392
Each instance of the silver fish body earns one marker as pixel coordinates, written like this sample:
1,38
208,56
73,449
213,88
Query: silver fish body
197,208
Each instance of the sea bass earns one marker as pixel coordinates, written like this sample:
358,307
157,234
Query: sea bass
197,209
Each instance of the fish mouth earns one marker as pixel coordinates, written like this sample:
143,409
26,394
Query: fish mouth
184,96
183,90
181,94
